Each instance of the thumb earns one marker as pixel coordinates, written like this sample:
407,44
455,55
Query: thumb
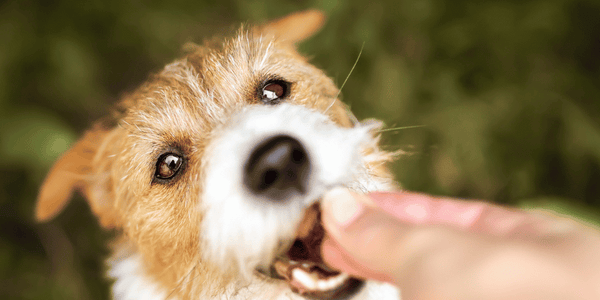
387,236
361,239
366,239
432,248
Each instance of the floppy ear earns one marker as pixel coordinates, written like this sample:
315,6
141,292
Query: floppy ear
72,171
295,27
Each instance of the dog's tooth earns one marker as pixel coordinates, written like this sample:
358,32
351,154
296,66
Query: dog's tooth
327,285
336,281
323,285
331,283
304,278
310,280
340,279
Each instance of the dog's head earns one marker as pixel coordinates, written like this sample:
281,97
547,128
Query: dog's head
212,170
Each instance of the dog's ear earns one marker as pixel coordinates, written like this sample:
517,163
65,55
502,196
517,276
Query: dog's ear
72,171
295,27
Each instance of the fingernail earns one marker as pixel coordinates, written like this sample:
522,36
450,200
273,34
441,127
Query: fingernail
342,206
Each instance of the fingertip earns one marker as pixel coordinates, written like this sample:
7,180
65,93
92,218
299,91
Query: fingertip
341,207
337,258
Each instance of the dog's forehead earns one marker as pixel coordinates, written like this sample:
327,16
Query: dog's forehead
195,92
234,69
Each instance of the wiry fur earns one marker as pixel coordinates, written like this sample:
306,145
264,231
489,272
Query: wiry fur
201,236
260,227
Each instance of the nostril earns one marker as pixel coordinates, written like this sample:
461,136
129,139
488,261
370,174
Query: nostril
277,168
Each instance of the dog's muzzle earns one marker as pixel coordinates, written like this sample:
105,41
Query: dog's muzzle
268,169
302,265
276,170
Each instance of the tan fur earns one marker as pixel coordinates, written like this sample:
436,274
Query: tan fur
182,105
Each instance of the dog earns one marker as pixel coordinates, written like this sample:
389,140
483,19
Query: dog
212,171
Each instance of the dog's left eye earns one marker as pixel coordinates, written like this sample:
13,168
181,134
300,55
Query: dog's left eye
273,91
168,165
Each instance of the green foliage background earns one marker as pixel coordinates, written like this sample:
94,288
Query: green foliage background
507,92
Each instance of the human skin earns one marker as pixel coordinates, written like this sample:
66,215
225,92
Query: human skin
442,248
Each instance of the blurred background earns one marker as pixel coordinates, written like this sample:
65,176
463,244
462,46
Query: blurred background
506,94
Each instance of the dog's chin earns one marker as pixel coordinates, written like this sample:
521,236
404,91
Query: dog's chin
302,266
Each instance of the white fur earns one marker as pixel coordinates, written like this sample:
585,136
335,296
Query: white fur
131,284
241,231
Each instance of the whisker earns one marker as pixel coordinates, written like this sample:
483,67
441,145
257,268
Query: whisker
350,73
353,118
185,278
400,128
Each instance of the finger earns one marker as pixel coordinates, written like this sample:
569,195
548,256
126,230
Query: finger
471,216
420,255
419,209
371,236
335,256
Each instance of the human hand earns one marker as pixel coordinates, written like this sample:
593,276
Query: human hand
441,248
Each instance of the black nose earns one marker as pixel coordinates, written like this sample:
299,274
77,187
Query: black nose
277,168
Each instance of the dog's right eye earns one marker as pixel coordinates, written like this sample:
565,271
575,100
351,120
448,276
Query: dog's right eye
168,165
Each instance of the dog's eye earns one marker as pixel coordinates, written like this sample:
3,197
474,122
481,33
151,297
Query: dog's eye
168,165
273,91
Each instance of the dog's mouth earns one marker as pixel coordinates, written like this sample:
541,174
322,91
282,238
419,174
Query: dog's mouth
303,268
314,279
